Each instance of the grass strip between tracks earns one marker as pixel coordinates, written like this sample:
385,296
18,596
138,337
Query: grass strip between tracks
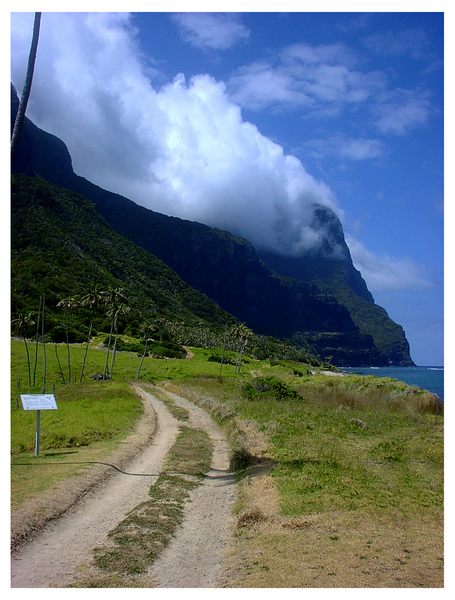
136,542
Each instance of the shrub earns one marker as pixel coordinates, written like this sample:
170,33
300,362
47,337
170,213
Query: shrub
122,346
219,359
268,387
58,334
167,349
158,349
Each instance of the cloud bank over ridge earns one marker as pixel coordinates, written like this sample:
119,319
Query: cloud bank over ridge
181,148
185,149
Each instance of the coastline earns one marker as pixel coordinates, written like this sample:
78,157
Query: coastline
430,378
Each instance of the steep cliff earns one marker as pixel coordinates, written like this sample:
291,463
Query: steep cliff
300,304
330,268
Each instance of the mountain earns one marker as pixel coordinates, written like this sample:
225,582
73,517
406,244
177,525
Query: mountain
224,267
61,247
334,273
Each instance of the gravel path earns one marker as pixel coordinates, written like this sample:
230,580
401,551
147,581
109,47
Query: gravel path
53,557
194,558
57,556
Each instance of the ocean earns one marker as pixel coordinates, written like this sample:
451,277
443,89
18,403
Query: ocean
428,378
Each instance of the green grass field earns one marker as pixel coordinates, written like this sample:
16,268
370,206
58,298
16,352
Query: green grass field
354,497
125,369
346,443
363,454
92,416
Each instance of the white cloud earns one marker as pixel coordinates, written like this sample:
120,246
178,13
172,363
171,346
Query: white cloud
182,149
304,75
321,54
360,149
214,31
385,272
259,85
344,148
398,111
326,80
411,42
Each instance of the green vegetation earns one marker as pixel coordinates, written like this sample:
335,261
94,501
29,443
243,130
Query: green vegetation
138,539
62,247
94,280
262,388
343,443
155,349
86,413
91,420
365,453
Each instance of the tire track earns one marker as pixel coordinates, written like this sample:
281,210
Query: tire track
52,559
194,558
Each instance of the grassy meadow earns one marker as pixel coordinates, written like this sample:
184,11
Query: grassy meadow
354,492
92,417
354,495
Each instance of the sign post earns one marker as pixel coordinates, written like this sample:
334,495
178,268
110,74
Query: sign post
38,402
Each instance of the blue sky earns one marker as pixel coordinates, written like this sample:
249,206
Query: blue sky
229,118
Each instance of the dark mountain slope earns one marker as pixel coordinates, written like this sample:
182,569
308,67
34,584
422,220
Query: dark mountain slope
224,267
61,247
337,275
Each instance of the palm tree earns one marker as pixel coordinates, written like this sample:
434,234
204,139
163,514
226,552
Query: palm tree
68,304
59,364
161,325
146,330
241,335
19,122
43,341
112,298
225,335
91,300
23,322
37,340
122,311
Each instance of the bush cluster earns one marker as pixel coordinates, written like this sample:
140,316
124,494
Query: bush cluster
158,349
122,346
168,349
220,359
268,387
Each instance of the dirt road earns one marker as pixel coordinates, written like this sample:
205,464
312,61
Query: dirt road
194,557
54,558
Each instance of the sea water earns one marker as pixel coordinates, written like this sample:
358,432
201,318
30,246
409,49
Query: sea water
428,378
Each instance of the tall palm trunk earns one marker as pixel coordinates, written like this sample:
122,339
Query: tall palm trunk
44,348
59,364
68,356
142,359
37,341
28,360
223,353
19,122
114,350
86,348
239,361
106,364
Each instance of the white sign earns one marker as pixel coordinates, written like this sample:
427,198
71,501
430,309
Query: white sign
38,402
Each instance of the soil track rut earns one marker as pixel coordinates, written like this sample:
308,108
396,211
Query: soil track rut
52,558
193,558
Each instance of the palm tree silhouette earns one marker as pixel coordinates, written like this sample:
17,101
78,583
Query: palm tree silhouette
20,116
68,304
23,322
113,298
91,300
